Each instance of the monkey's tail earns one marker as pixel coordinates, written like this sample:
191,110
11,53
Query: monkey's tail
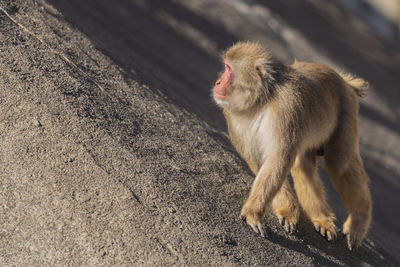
359,85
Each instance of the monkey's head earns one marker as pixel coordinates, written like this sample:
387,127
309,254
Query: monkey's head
244,82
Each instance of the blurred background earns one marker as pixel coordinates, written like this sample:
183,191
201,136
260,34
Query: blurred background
174,45
382,16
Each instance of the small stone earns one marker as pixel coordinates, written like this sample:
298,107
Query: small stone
37,123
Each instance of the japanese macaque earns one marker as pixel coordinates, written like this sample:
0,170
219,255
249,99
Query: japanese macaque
280,119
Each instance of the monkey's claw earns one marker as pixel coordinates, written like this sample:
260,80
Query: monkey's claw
326,228
255,224
353,238
258,229
287,225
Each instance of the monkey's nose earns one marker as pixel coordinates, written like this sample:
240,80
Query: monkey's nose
218,82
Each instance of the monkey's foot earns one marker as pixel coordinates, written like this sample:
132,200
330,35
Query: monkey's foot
326,227
254,219
288,218
355,232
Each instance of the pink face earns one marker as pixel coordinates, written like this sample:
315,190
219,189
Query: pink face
222,84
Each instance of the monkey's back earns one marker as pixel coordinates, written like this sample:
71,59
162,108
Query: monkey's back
320,93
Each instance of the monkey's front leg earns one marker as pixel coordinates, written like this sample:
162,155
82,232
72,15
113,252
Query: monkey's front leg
267,183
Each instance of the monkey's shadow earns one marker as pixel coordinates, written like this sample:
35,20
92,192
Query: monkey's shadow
307,241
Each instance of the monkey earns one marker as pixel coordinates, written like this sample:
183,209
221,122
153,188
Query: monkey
281,119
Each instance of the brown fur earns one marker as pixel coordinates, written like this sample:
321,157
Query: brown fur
279,119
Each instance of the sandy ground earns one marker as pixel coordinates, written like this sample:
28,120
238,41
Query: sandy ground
112,152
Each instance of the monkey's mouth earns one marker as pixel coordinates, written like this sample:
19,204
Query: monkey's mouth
220,96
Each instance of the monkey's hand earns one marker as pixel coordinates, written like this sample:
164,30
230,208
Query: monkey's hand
253,217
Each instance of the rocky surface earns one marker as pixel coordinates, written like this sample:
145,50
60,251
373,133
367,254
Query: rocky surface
112,152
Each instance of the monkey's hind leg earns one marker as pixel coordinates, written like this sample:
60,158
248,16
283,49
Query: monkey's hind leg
311,193
351,181
346,170
285,207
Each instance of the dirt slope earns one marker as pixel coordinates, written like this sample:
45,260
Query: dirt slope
112,153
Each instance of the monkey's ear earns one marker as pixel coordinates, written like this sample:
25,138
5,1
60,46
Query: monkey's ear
261,70
265,69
